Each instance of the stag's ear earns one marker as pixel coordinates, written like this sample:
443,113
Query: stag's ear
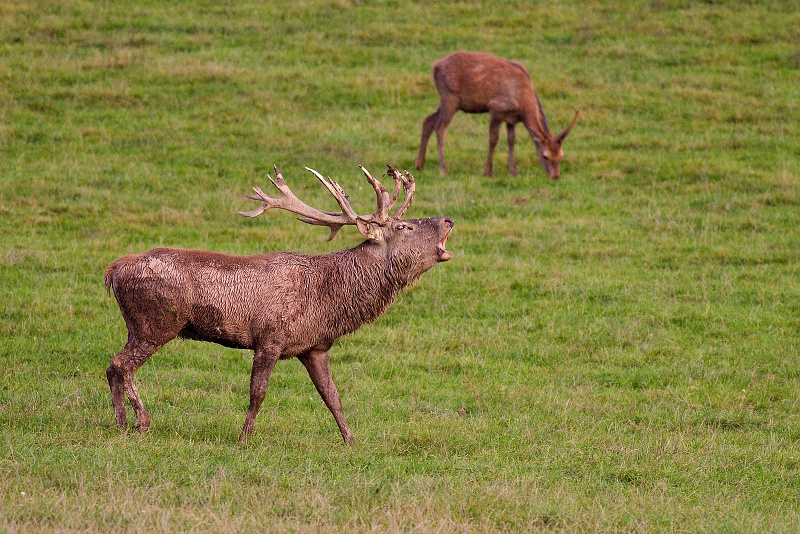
368,229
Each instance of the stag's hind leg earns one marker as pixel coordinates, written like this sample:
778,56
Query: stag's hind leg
120,380
116,383
316,363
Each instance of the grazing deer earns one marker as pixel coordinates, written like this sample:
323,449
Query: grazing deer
280,305
477,82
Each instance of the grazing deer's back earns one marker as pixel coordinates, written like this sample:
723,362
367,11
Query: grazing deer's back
481,81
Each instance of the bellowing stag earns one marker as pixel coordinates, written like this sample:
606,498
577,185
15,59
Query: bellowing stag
280,305
477,82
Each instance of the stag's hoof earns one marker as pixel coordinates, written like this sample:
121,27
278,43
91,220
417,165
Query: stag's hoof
121,417
143,423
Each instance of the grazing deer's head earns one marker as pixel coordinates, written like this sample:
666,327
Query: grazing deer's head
548,147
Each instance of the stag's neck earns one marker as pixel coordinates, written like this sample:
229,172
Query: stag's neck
362,283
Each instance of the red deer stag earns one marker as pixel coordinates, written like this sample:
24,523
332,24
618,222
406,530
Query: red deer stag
477,82
279,305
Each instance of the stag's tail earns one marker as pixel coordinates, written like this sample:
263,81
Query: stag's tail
108,279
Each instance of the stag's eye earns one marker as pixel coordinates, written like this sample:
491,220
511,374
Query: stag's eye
401,226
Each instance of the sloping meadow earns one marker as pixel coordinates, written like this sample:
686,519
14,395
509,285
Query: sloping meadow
615,351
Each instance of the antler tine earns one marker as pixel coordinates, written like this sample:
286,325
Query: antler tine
408,184
381,213
269,202
260,195
397,183
289,202
337,192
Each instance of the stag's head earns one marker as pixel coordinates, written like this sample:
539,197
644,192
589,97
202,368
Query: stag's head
414,245
549,147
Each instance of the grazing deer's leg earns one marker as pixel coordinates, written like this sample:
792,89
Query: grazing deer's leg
512,164
316,363
494,135
446,112
427,129
120,379
264,360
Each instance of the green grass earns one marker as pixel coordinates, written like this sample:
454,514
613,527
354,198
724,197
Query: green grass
616,351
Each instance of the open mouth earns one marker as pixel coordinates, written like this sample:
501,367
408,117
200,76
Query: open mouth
444,254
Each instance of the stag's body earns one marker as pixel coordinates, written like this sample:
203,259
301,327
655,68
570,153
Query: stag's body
478,82
279,305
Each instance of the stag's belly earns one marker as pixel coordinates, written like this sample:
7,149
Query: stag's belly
209,323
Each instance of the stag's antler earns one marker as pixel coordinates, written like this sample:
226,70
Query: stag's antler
335,220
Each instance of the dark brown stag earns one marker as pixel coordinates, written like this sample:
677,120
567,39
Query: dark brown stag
477,82
280,305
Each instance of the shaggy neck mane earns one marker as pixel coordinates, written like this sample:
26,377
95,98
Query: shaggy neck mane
367,278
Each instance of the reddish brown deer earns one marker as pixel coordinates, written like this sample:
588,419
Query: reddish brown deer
477,82
280,305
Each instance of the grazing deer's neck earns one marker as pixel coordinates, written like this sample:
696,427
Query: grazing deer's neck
533,116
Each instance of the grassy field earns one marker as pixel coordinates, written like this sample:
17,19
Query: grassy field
618,351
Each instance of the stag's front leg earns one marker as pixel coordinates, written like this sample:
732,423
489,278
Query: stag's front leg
316,363
264,360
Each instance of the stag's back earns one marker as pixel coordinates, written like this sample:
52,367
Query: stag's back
298,300
482,81
206,295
